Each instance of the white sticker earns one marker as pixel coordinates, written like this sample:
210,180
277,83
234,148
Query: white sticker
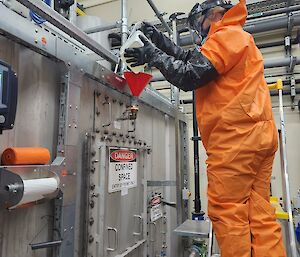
122,169
156,213
124,191
117,124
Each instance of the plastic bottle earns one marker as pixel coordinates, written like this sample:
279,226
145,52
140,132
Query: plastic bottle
133,41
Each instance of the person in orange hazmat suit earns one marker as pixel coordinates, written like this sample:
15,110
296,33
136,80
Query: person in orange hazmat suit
235,120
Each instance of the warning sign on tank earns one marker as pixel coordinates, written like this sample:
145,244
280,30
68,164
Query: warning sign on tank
122,169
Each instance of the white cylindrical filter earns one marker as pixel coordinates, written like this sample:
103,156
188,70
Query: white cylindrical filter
88,22
133,41
37,189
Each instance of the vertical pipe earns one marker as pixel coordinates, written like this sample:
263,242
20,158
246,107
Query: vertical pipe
175,90
286,182
197,200
124,26
160,17
72,12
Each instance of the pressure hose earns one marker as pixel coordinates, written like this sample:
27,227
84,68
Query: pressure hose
35,17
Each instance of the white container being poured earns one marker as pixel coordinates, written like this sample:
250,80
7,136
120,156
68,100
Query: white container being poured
133,41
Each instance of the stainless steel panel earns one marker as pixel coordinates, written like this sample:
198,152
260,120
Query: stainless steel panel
116,225
36,125
59,21
73,108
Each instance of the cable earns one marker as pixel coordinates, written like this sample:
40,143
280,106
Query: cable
35,17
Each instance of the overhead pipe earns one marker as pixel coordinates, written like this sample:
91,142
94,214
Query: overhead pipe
160,17
272,93
294,41
256,27
281,62
102,28
124,27
271,24
268,63
175,90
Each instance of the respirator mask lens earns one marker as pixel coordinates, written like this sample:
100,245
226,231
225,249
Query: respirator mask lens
195,27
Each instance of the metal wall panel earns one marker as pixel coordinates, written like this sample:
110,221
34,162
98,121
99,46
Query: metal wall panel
37,122
36,125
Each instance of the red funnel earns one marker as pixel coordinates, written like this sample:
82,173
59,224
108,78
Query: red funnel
137,82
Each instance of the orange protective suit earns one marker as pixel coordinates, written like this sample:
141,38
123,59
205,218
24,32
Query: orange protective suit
237,129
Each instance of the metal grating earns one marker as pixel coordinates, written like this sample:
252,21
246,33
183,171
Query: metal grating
268,5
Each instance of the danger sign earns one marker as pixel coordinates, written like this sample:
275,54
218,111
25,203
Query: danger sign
122,169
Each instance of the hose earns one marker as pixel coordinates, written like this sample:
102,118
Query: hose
35,17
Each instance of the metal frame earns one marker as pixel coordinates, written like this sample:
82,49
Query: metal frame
285,177
60,22
25,32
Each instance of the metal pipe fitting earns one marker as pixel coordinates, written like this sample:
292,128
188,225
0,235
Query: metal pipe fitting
102,28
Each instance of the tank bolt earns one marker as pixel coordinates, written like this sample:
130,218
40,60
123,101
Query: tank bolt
91,239
92,204
91,221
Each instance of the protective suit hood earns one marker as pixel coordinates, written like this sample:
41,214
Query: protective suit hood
237,15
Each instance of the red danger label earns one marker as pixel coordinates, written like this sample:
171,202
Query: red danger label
123,155
155,201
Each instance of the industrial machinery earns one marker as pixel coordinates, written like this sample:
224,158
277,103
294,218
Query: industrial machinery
8,96
117,180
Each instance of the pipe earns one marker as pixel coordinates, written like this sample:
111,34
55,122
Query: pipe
272,93
60,22
174,90
157,78
284,92
124,27
271,24
197,201
268,63
101,28
124,21
257,27
187,101
294,41
45,245
271,44
280,62
160,17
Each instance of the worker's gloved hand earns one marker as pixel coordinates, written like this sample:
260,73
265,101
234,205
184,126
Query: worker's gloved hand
150,31
140,56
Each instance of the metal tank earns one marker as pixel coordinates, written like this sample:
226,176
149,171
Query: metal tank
73,106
